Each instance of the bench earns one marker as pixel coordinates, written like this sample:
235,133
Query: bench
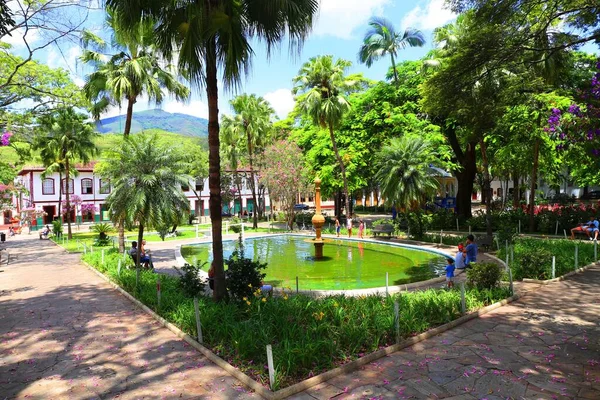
386,229
485,242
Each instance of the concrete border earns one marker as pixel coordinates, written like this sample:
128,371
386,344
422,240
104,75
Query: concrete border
561,278
350,292
308,383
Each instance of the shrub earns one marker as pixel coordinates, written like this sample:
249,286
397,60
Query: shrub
57,228
484,275
234,224
189,280
418,222
243,275
533,263
304,219
102,229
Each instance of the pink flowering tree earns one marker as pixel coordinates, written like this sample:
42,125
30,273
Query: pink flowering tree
576,128
284,174
74,205
88,208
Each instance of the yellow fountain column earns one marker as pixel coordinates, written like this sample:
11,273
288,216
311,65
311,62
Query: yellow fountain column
318,221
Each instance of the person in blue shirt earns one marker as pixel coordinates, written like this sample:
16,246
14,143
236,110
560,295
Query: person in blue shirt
470,251
592,228
588,228
450,273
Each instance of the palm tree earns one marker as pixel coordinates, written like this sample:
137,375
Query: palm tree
252,123
146,183
231,151
132,71
404,171
382,39
321,87
66,138
208,35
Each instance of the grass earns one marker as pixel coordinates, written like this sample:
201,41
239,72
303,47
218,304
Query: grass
533,257
309,336
80,238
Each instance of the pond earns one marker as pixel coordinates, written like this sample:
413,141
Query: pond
347,264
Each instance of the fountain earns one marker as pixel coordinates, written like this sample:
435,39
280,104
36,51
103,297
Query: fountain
318,220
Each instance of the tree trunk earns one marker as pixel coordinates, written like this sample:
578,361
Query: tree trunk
466,178
138,256
59,194
536,158
121,229
394,69
214,169
516,187
486,188
129,116
252,182
238,184
343,169
68,202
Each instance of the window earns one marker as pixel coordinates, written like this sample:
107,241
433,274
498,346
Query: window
104,186
87,186
70,186
185,188
48,186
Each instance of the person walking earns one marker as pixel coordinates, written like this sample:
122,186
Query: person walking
349,226
337,226
361,229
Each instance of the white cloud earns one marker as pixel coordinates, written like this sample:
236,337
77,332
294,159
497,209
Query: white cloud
19,37
282,102
428,16
196,108
341,17
67,59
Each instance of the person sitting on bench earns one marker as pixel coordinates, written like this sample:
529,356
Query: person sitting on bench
45,232
143,258
586,228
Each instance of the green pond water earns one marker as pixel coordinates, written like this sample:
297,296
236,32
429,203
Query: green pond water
346,264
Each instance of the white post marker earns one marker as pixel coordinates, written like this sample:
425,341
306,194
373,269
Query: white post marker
553,267
512,255
457,226
397,320
441,236
242,230
595,251
102,256
519,227
198,324
576,256
270,364
565,231
512,290
158,291
91,248
84,248
119,268
196,231
469,229
463,302
556,230
296,285
387,277
497,242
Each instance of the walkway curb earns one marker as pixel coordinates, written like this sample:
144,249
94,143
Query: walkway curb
561,278
308,383
230,369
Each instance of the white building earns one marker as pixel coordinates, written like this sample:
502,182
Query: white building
92,190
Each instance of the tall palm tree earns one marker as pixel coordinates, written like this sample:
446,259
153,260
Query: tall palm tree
146,180
252,123
404,171
231,151
382,39
321,87
208,35
66,134
134,69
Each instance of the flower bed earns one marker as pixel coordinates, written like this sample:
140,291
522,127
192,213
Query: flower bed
309,336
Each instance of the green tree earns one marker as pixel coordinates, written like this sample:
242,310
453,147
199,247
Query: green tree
210,34
382,39
321,88
252,124
65,137
404,171
134,69
146,183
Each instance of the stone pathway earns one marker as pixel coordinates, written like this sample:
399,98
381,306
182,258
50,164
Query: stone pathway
66,334
544,346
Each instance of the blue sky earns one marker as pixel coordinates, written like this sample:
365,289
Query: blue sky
338,31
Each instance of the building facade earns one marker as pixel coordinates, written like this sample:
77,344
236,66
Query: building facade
91,192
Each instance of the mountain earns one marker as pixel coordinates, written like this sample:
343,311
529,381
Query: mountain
183,124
